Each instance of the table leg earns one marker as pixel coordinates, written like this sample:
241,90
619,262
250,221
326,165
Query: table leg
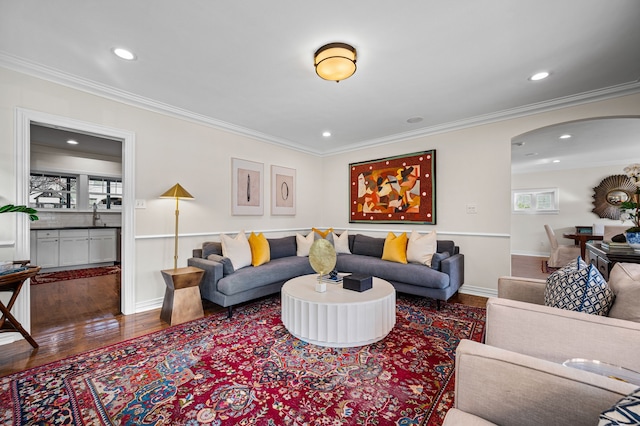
6,314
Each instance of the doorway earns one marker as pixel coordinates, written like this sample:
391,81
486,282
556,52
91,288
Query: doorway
24,120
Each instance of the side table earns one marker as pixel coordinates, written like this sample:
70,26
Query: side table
13,282
182,300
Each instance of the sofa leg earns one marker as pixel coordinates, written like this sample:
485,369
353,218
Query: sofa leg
229,311
438,304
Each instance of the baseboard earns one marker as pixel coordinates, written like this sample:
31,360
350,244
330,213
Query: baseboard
478,291
10,338
149,305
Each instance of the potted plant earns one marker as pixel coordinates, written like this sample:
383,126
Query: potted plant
630,209
10,208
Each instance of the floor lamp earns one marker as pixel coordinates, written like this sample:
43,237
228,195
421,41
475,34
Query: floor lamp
177,192
182,296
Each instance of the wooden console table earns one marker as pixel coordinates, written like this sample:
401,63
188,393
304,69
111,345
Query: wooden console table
13,282
604,259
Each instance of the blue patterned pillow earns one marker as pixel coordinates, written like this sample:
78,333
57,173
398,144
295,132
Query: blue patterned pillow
579,289
625,412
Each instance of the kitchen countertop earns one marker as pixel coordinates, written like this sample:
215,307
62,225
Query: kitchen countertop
50,228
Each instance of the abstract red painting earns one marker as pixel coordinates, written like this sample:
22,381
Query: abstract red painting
394,189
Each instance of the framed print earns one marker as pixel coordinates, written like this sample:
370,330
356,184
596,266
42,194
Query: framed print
394,190
283,191
247,195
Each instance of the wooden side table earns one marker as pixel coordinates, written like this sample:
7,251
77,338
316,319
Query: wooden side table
13,282
182,300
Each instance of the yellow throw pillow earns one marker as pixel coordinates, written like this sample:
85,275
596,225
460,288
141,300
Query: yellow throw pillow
395,248
323,234
260,252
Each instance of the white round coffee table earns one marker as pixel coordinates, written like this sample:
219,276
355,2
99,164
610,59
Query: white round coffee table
338,317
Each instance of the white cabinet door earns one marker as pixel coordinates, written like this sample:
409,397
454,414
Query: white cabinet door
74,247
102,245
47,249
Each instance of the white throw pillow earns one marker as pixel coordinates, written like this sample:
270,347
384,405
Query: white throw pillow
237,250
421,248
341,243
304,244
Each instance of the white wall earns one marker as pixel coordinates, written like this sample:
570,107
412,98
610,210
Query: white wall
576,202
473,166
168,150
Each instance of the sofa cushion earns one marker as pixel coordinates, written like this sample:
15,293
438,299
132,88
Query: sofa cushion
282,247
624,281
260,253
341,242
368,246
278,270
581,290
395,248
211,247
625,412
411,273
420,248
437,258
303,244
227,266
237,249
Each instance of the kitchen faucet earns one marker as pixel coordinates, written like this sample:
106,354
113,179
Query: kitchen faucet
96,216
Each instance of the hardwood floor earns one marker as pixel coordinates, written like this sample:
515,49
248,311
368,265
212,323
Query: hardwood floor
75,316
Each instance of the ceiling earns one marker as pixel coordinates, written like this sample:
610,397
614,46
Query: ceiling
247,66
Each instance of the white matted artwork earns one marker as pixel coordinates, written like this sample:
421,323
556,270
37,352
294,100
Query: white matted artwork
283,191
247,195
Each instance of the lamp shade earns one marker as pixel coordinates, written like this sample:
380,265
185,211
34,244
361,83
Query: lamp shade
335,61
177,191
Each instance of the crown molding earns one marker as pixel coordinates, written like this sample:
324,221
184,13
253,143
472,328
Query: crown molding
89,86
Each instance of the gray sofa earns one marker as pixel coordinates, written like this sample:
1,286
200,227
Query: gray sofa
224,286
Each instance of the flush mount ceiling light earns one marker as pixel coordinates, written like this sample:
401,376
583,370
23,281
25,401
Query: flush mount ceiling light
72,142
335,61
124,54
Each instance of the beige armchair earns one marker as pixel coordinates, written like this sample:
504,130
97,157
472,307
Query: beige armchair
517,377
560,254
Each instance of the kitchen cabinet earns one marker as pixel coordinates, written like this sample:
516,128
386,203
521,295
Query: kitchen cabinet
60,249
47,251
102,245
74,247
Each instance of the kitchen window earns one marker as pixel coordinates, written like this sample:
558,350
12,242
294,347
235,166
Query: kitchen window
106,193
68,192
53,191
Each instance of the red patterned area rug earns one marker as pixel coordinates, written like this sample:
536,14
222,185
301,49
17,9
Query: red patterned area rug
52,277
248,370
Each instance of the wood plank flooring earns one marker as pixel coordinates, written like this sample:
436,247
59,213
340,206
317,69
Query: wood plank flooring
75,316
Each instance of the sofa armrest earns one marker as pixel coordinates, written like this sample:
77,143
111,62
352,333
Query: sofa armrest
454,267
213,271
457,417
557,334
523,289
509,388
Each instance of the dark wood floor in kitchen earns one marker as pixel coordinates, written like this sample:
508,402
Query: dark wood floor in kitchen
75,316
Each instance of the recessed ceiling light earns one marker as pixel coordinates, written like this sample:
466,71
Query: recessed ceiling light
565,136
531,154
556,161
539,76
518,143
72,142
124,54
326,134
413,120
